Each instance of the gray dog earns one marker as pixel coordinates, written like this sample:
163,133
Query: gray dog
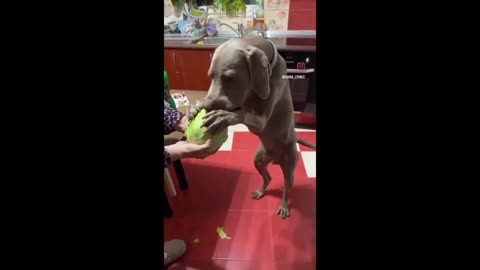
247,87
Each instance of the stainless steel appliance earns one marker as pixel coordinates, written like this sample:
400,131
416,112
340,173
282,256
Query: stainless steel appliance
302,78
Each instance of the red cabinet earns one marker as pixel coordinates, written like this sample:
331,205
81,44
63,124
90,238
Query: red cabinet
172,68
195,65
188,69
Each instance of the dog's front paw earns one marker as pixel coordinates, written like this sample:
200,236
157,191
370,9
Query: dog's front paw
218,120
193,110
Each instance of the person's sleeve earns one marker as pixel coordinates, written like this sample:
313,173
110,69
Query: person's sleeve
170,118
167,158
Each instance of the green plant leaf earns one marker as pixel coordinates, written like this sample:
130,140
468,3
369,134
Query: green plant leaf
222,234
230,7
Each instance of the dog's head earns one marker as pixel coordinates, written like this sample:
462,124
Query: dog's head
238,70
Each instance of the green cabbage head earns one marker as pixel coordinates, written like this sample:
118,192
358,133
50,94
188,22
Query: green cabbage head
198,135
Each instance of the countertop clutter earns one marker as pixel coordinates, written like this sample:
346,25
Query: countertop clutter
280,43
292,40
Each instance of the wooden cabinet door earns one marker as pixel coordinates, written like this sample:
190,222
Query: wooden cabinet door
195,65
172,67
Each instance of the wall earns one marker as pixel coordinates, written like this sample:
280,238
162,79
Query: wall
302,15
279,14
290,14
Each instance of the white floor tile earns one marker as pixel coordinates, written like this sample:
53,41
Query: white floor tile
298,147
243,128
304,130
227,145
309,161
240,127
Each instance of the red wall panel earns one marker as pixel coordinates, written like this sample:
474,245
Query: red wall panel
302,15
303,4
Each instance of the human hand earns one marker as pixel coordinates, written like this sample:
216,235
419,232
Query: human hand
182,124
183,149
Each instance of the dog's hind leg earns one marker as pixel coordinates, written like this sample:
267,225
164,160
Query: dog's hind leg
288,165
262,159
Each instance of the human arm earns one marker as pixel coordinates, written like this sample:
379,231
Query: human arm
173,120
184,149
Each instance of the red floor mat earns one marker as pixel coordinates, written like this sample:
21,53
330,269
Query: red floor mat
245,141
310,137
219,194
251,237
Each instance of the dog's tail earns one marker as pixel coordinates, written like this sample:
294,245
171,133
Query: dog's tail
307,144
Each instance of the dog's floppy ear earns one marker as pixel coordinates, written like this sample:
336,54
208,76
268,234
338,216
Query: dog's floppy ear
260,72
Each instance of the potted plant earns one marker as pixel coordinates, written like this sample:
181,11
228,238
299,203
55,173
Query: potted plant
178,6
230,7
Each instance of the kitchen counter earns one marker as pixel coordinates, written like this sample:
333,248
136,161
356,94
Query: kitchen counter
279,43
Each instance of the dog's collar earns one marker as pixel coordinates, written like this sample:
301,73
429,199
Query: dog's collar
275,54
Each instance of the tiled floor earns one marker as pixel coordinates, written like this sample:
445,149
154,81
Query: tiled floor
220,196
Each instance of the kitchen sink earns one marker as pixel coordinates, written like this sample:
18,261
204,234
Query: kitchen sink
216,40
225,36
177,37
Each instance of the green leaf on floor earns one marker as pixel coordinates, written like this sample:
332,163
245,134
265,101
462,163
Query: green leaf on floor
222,234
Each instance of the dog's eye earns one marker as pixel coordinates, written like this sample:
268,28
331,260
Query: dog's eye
228,76
229,73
